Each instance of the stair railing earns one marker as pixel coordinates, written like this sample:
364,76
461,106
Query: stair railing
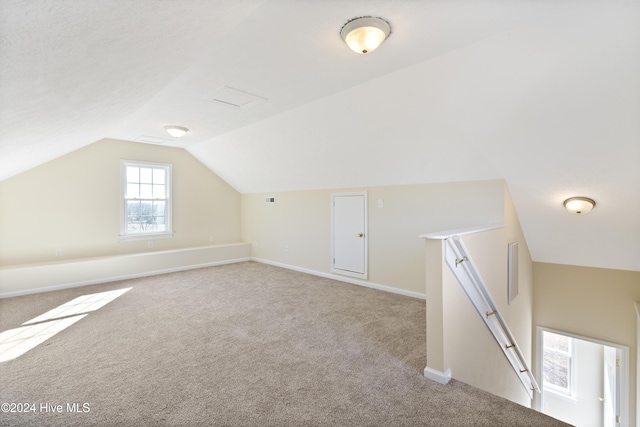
461,265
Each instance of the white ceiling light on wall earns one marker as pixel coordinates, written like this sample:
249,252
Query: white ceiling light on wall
365,34
176,131
579,205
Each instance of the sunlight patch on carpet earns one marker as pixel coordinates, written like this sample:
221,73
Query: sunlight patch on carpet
15,342
83,304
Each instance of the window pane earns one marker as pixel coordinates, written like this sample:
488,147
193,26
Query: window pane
158,191
145,208
158,216
158,176
133,216
142,219
133,174
133,207
146,191
159,208
556,369
133,191
559,342
146,175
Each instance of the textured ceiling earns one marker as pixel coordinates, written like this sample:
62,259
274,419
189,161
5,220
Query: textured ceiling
543,94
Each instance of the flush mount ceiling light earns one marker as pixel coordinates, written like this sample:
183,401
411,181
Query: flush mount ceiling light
176,131
579,205
365,34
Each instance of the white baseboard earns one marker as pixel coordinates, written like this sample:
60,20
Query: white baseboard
25,280
31,279
340,278
437,376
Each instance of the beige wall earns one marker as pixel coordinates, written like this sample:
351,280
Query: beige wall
302,221
592,302
470,351
73,203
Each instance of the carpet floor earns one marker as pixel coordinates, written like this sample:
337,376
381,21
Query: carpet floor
244,344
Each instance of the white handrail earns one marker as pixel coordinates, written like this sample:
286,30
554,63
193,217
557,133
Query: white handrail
463,268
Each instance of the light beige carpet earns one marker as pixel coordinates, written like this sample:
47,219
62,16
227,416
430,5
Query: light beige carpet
241,345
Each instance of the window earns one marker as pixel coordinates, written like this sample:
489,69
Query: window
145,211
558,375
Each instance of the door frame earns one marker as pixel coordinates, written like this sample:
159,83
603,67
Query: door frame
623,379
366,235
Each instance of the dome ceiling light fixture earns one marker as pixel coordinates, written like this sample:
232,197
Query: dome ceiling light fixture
365,34
579,205
176,131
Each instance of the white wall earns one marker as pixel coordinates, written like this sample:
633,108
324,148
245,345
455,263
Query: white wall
302,221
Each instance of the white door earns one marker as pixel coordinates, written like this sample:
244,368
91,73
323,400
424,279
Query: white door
349,234
610,400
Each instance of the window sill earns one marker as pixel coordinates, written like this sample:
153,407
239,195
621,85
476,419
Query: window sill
560,395
145,236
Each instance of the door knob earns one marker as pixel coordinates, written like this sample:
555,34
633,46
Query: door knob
601,399
360,234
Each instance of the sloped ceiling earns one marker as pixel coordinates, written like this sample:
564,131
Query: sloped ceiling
543,94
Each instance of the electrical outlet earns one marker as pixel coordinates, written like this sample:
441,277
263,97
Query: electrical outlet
286,249
212,239
150,244
380,203
58,251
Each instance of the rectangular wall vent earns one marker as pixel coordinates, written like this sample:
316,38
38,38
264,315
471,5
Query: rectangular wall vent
513,271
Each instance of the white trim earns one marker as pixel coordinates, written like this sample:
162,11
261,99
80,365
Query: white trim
168,233
437,376
364,275
441,235
142,236
560,395
341,278
624,369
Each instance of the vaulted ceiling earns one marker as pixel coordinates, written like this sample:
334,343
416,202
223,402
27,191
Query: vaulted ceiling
542,94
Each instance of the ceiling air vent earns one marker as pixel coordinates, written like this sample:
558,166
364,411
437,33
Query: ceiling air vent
152,139
236,98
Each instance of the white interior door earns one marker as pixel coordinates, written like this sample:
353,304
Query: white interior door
349,234
601,373
610,387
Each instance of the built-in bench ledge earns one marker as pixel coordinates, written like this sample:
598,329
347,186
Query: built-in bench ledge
33,278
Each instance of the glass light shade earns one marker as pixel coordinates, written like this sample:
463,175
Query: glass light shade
579,205
363,35
176,131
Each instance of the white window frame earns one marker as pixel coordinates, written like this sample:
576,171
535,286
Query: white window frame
128,236
570,391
